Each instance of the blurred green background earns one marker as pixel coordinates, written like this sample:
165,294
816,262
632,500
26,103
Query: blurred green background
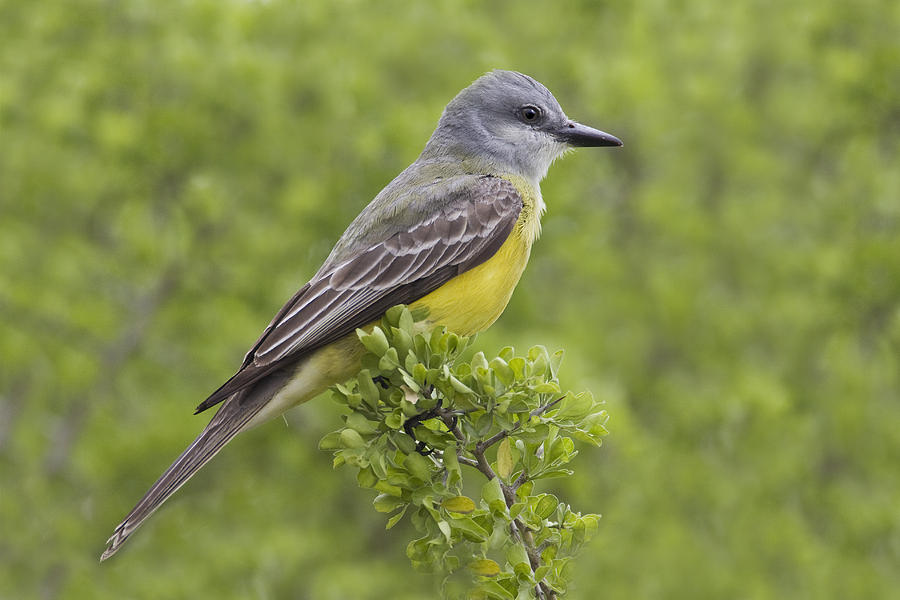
729,282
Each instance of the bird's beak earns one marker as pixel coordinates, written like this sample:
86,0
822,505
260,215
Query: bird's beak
576,134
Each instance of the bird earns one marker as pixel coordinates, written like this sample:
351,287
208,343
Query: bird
451,234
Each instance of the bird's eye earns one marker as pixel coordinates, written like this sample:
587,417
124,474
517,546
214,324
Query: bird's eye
530,113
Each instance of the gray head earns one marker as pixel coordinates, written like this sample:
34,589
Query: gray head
511,123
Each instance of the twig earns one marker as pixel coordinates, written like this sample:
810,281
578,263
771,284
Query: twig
506,432
519,530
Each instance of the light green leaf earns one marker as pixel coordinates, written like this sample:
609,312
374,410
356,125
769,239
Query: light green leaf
503,371
459,386
375,342
394,314
385,503
331,441
575,406
366,478
418,466
459,504
517,555
359,423
352,439
545,506
395,519
367,389
406,321
485,567
386,488
504,459
470,529
389,360
491,589
444,526
493,496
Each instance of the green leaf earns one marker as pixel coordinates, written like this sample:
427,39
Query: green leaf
418,466
395,519
485,567
547,387
420,374
551,473
459,504
555,361
545,505
359,423
483,424
406,321
389,360
470,529
540,360
401,340
395,420
525,490
517,555
331,441
517,364
575,406
491,589
444,526
561,451
385,503
367,389
451,463
394,313
352,439
403,442
503,371
375,342
366,478
534,434
410,382
386,488
504,459
459,386
492,495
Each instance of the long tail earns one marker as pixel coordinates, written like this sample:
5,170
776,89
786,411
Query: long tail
231,419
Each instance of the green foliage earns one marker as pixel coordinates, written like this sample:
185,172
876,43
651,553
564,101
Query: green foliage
414,394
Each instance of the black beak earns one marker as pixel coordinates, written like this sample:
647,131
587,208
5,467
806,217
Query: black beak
576,134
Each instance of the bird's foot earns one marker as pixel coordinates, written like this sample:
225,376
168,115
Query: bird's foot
437,412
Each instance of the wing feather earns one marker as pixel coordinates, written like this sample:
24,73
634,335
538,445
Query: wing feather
469,228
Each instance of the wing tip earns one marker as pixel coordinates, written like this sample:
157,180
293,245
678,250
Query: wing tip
114,542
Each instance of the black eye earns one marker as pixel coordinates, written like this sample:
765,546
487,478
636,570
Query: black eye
530,113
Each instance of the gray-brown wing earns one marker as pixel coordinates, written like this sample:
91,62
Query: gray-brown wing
406,266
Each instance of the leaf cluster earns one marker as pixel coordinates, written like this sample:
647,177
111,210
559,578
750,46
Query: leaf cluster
417,414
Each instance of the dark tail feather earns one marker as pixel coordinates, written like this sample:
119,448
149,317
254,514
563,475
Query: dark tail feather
231,419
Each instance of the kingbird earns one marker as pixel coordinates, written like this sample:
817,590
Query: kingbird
451,235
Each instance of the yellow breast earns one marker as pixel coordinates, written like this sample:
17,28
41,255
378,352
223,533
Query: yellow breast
472,301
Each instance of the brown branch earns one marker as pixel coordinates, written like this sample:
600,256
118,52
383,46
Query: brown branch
518,529
506,432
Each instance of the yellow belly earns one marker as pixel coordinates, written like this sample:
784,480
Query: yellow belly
471,302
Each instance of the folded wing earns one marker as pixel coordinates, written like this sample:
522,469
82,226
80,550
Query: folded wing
468,229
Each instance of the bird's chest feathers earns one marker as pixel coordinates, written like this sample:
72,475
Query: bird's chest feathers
472,301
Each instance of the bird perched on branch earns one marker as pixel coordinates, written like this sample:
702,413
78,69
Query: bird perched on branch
450,235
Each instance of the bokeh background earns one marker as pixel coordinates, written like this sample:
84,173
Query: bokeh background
729,282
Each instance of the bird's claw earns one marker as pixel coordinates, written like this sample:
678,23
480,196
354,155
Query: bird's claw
410,424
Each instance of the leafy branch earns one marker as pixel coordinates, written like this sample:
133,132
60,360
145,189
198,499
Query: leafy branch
417,414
